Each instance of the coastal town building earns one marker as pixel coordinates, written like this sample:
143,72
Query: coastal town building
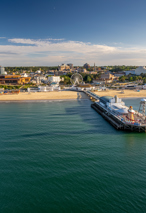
99,69
93,72
55,79
38,71
48,88
94,68
2,70
98,82
14,79
83,70
140,70
40,79
51,72
119,74
86,87
87,66
24,75
59,73
108,77
74,71
104,68
63,67
137,71
70,65
129,72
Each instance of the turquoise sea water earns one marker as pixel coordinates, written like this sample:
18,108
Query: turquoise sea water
64,157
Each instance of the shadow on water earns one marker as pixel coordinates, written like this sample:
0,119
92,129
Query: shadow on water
82,108
99,124
96,123
81,95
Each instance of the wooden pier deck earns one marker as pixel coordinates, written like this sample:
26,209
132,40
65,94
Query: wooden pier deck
116,123
112,119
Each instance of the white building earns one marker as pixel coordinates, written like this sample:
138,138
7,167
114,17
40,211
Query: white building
24,75
55,79
129,72
45,89
140,70
38,71
40,79
2,70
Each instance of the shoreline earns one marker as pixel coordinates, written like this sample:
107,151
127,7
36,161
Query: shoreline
67,95
44,96
42,100
55,100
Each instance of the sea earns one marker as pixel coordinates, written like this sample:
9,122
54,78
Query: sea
62,156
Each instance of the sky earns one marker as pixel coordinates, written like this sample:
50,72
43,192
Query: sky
52,32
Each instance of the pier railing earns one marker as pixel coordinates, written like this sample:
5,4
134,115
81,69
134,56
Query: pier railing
139,117
92,94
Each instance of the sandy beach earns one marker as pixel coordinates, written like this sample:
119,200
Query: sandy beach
126,94
61,95
69,95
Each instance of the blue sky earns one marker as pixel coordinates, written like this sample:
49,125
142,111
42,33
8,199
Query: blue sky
50,32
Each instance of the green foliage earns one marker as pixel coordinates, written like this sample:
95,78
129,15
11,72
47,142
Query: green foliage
66,80
45,68
69,74
29,86
7,87
89,69
121,68
28,69
144,80
122,78
89,79
132,78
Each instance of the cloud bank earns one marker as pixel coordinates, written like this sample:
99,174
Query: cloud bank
51,52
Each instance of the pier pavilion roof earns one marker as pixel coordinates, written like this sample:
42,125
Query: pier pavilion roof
105,99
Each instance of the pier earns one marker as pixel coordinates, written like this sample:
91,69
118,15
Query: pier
117,121
92,95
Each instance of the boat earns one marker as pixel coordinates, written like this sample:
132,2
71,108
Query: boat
114,110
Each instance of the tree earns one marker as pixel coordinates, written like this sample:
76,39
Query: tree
67,80
122,78
89,79
135,78
144,80
131,79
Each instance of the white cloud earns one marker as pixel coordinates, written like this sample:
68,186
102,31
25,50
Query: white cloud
25,52
55,39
